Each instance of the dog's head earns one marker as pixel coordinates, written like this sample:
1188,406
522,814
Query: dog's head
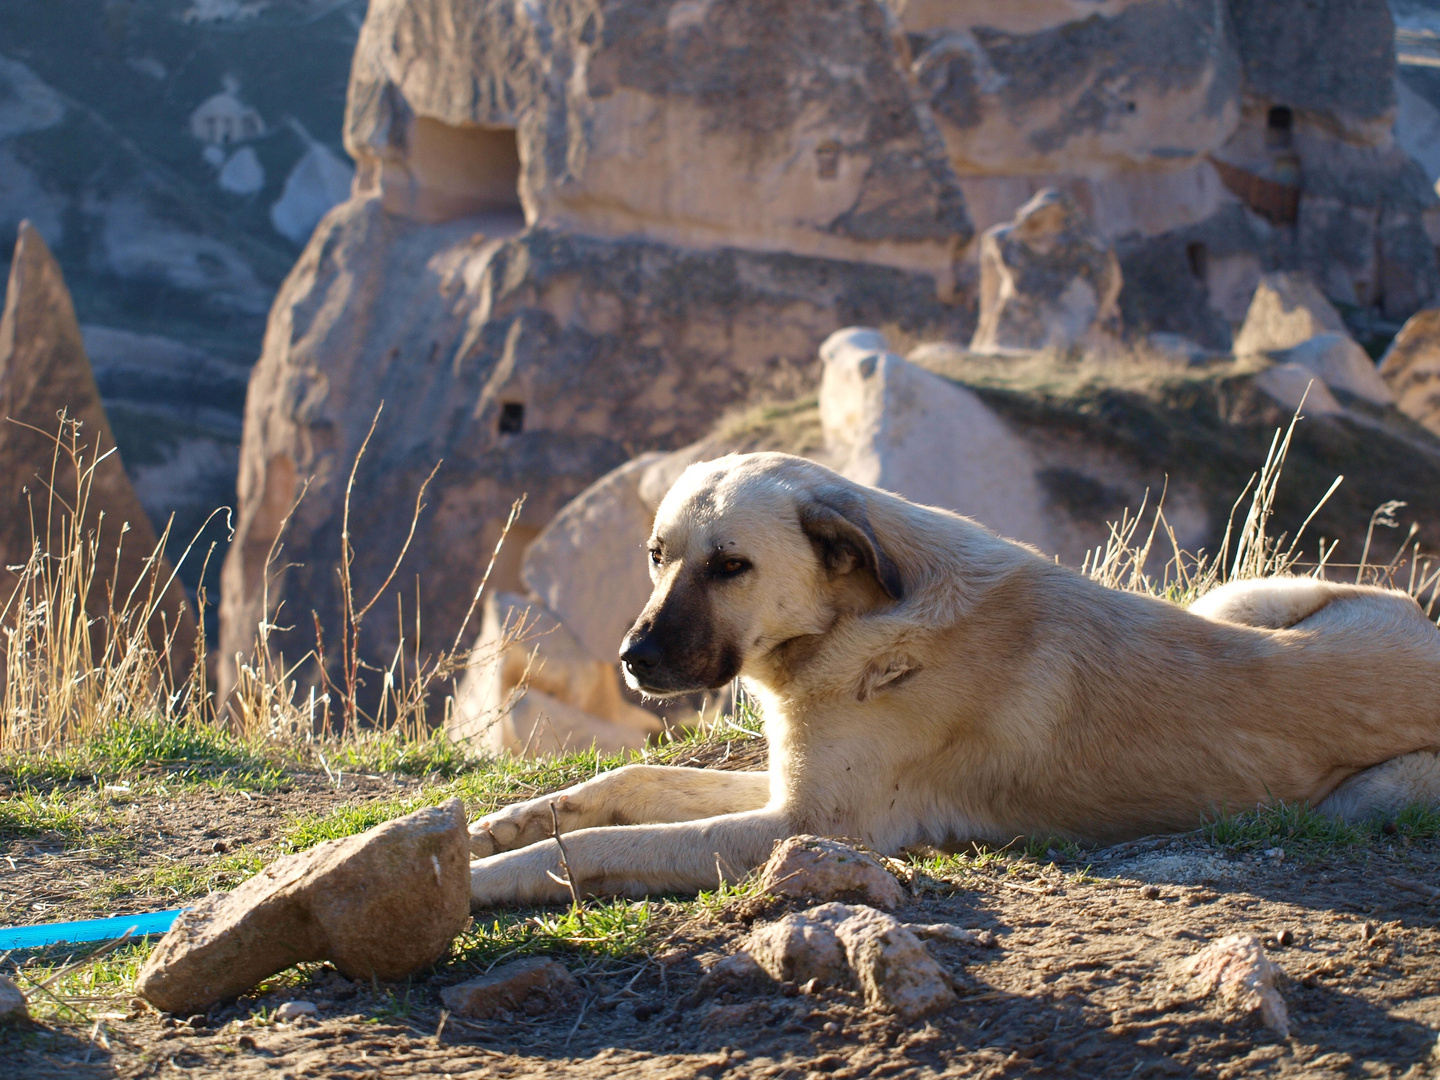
748,553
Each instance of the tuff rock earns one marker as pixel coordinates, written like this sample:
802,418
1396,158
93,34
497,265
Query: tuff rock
44,372
1411,368
819,868
1236,970
1342,365
380,905
1047,280
1286,310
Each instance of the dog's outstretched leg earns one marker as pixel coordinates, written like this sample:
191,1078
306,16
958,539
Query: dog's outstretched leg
633,860
1383,790
632,795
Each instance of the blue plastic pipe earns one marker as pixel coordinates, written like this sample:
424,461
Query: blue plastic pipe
32,937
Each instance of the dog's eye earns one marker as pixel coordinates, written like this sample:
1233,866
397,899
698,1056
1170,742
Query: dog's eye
731,567
656,556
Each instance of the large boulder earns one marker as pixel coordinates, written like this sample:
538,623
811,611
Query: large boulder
44,373
1411,368
1285,310
894,425
537,339
1047,280
380,906
533,688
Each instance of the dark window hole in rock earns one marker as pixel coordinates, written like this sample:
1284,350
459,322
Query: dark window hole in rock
1279,123
1198,256
512,418
827,159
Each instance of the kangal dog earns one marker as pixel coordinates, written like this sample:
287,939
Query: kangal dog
924,681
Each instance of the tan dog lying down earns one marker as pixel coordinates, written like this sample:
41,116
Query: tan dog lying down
926,682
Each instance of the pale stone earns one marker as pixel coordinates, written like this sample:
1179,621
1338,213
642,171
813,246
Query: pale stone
533,689
294,1010
1291,384
1286,310
1343,365
317,182
589,565
520,986
839,944
818,868
13,1009
380,905
1236,970
1047,280
893,425
1411,368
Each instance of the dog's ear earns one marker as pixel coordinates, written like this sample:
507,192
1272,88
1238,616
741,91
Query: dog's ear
836,523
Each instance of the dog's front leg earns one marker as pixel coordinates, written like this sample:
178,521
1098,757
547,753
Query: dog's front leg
631,860
632,795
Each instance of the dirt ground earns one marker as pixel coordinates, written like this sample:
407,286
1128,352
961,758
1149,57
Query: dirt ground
1082,980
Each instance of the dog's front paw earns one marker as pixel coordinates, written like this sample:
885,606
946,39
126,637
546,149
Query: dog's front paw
521,825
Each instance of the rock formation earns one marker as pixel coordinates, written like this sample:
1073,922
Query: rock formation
534,361
1411,368
1047,281
1285,310
44,373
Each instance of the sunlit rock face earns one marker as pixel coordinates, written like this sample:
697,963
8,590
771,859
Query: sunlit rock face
579,231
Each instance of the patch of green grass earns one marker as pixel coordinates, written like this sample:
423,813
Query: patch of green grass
597,929
86,989
181,750
187,881
1292,826
1418,822
65,813
395,752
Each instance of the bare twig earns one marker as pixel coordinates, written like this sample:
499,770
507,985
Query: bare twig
569,881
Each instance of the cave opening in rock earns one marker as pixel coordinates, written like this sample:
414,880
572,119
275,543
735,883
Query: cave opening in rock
1198,256
463,170
1279,125
512,418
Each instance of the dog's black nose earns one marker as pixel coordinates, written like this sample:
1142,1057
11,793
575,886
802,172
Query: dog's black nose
640,654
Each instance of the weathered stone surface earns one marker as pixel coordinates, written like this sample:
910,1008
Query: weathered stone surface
1286,310
44,371
380,905
818,868
589,564
1342,364
1047,280
530,986
1058,88
801,132
894,425
837,944
13,1009
294,1010
1236,970
1411,368
534,689
1290,384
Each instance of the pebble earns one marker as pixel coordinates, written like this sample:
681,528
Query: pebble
1236,969
293,1010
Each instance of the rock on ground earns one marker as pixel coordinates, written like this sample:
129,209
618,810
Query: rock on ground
13,1009
1291,384
1411,368
835,944
1342,364
530,986
1047,280
894,425
818,868
43,371
1236,970
532,688
380,905
1286,309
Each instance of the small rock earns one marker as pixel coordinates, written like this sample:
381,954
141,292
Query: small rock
1285,937
219,847
1236,969
380,905
293,1010
513,986
1150,892
13,1009
818,868
943,931
719,1017
841,944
